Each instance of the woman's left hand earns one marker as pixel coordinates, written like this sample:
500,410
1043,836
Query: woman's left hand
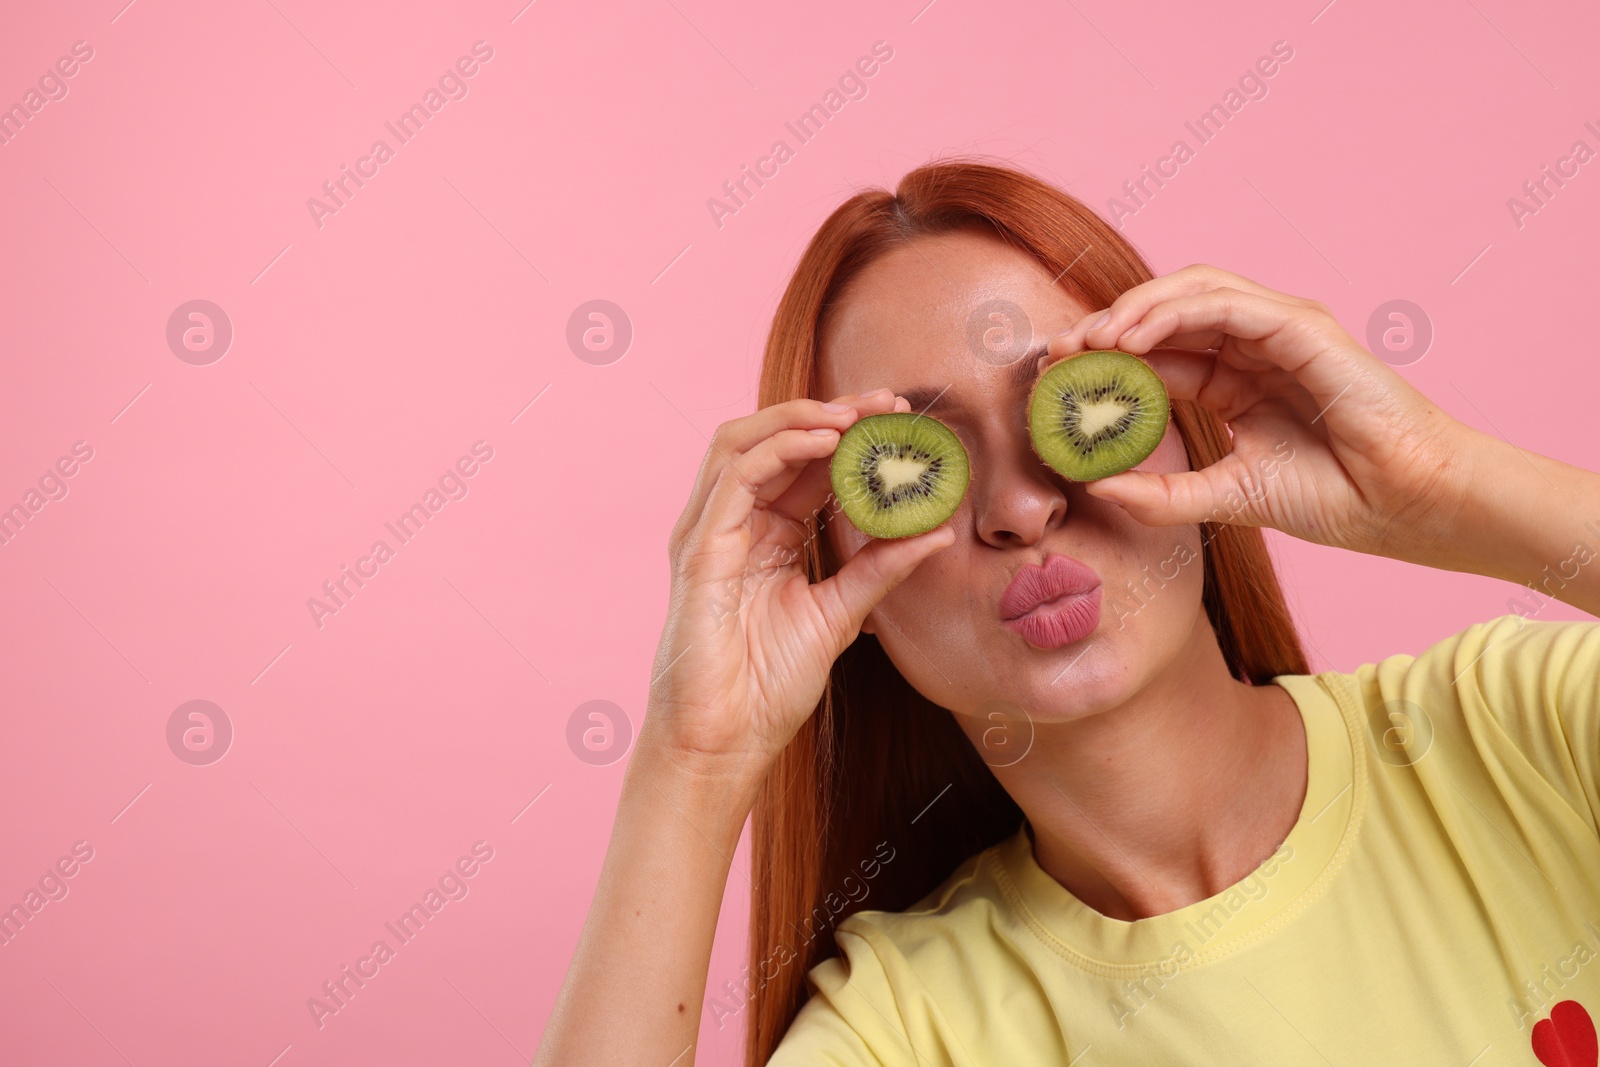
1329,443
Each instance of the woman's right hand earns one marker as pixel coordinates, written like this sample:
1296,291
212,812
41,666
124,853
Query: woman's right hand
749,641
744,656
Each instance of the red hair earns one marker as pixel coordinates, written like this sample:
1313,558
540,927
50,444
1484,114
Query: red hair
875,750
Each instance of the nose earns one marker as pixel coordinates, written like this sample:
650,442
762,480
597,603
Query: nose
1018,499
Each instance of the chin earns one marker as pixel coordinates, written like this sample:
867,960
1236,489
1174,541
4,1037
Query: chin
1064,684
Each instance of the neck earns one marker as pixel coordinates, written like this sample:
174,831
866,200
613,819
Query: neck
1170,797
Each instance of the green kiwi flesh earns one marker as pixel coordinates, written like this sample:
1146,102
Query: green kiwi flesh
899,474
1097,414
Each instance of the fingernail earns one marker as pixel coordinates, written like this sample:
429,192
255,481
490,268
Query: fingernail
881,392
822,431
1101,321
831,406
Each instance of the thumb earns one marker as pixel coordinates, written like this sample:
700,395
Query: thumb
850,595
1182,498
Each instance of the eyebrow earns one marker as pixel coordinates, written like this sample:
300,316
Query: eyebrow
1022,374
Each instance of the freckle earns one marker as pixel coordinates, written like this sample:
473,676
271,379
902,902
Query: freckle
680,1009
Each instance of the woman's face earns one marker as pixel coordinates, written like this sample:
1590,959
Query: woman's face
903,323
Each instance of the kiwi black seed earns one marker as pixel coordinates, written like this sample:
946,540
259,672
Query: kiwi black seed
899,474
1097,414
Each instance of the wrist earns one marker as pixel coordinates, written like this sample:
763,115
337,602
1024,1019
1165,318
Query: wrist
713,791
1524,516
1473,534
1435,516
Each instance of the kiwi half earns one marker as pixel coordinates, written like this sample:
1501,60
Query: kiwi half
1097,414
899,474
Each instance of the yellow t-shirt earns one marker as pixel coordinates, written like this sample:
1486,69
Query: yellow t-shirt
1437,902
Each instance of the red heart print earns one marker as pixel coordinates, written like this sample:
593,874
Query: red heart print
1567,1038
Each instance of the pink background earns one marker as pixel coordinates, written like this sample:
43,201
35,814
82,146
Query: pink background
369,354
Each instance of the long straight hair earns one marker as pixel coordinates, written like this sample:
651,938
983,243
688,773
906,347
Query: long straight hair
880,795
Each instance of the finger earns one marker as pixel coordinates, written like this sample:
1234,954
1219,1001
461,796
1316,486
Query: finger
739,489
846,598
1185,374
1308,345
1221,492
1135,304
807,491
1073,341
1204,377
737,436
1099,329
743,434
1213,382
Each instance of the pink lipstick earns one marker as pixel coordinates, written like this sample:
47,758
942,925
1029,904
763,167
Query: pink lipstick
1052,605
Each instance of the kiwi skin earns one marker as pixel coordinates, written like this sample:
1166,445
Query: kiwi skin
1117,454
911,516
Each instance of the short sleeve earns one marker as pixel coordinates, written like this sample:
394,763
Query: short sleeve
851,1018
1536,682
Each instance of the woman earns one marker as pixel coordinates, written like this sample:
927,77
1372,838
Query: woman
1148,838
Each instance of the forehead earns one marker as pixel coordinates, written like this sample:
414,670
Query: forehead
937,308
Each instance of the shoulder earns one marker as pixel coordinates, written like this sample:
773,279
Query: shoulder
957,911
1511,670
1512,700
881,994
1497,653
